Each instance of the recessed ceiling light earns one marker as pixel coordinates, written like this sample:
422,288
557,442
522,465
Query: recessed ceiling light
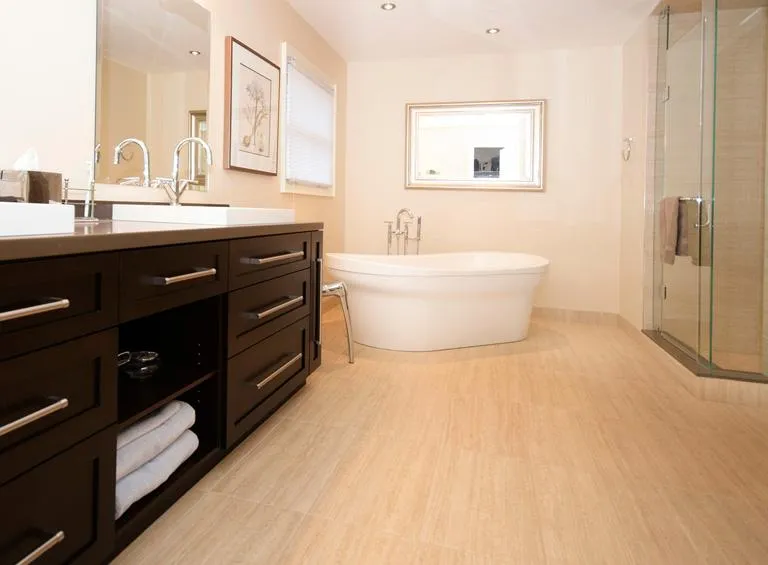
388,6
492,30
194,52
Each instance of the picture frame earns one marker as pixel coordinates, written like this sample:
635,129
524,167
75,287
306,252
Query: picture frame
251,110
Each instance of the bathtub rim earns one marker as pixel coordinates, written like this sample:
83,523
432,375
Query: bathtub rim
362,264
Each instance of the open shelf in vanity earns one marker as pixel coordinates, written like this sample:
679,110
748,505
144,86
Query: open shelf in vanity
204,397
188,341
232,367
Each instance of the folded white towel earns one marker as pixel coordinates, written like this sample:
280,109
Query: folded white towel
134,454
149,476
148,424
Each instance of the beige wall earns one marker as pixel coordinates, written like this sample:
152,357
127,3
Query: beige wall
633,257
123,114
48,73
263,25
575,222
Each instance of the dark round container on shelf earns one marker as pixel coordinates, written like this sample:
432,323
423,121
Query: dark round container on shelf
138,365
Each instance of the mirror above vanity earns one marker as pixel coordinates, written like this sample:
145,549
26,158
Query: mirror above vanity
480,145
85,78
152,87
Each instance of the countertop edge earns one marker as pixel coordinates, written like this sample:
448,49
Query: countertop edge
100,238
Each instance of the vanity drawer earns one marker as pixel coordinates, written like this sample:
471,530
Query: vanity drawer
257,311
166,277
53,300
260,371
51,399
262,258
62,510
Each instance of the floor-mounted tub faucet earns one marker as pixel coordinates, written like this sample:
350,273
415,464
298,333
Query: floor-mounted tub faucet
147,180
402,229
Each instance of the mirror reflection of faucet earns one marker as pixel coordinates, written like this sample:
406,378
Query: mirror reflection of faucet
146,178
402,230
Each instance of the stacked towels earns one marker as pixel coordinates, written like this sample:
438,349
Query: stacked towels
151,450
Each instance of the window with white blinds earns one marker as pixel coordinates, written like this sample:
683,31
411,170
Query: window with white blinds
309,129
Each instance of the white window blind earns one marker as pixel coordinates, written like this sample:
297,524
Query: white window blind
310,115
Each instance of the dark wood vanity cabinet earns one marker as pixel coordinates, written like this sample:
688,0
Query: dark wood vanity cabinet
158,279
50,301
69,388
316,283
237,324
63,510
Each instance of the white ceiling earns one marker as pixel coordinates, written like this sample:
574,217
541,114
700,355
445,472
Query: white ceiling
156,36
359,30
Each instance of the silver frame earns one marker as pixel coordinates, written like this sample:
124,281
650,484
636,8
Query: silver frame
412,112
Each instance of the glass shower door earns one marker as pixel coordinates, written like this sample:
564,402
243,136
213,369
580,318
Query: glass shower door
683,258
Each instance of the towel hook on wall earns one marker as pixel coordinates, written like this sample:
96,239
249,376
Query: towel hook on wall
626,153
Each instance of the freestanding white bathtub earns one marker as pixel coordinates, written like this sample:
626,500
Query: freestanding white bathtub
444,301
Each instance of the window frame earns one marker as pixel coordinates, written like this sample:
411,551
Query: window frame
316,74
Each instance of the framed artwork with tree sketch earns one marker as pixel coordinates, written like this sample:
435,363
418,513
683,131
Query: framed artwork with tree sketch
251,109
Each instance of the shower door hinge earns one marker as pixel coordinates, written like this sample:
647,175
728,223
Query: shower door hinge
667,94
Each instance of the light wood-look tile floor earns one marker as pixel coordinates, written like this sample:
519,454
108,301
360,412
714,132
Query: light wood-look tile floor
577,446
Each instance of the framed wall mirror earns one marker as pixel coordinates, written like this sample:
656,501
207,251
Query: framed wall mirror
152,85
479,145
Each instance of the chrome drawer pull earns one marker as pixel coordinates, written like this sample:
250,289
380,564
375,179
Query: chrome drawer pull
34,416
57,538
57,304
279,371
273,258
292,301
198,274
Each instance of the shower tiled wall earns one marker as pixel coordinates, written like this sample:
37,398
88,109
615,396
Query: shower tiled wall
740,154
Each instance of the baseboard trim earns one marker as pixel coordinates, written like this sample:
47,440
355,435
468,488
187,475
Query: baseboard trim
576,316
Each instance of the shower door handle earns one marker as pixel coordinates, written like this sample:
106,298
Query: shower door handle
702,207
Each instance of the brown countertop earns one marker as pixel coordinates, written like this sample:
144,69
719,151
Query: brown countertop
110,235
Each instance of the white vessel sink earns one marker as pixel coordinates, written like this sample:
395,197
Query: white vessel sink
202,215
20,218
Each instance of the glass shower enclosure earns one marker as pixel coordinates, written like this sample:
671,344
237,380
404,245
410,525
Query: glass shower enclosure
710,186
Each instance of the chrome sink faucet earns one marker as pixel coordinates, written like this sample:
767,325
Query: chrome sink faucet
147,180
174,186
402,230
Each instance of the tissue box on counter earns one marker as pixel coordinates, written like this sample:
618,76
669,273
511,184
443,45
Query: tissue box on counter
30,186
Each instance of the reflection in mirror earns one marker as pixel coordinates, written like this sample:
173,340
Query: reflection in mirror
152,87
198,127
485,145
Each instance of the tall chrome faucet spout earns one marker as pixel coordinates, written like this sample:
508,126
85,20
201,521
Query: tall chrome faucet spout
400,214
147,180
177,188
403,232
